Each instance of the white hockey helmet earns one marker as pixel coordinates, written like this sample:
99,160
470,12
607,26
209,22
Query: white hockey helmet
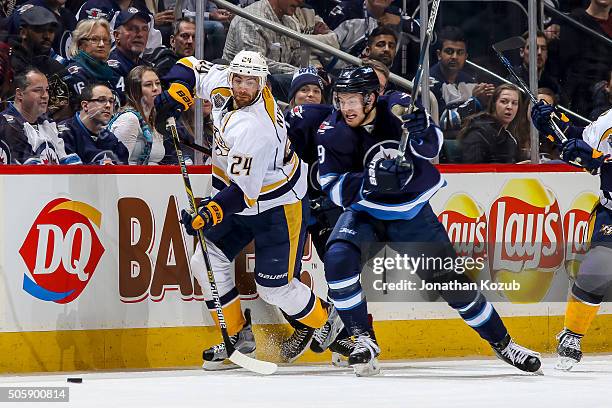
249,63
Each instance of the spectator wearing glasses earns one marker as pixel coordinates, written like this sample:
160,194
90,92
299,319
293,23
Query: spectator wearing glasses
134,125
131,34
89,51
86,134
31,136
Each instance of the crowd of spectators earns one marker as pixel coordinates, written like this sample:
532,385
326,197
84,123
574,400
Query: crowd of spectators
78,78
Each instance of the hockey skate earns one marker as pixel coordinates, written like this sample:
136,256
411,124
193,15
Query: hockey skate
215,357
518,356
325,335
363,358
341,349
568,350
294,346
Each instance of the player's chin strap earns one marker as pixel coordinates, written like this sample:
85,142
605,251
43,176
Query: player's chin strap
235,356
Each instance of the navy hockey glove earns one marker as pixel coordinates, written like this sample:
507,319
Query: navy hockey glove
171,103
416,123
386,176
209,214
578,153
541,117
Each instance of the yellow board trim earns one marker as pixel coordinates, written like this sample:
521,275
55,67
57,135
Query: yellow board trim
84,350
293,216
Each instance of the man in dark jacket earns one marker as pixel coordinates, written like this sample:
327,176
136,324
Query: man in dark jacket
602,99
31,136
33,49
85,133
585,60
66,22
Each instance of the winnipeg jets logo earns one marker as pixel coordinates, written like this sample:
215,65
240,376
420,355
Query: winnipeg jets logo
297,111
387,149
323,127
96,13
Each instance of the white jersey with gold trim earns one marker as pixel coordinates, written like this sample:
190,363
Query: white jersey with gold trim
212,85
252,150
599,136
599,133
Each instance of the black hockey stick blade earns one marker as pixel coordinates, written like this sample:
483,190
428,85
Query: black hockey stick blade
509,44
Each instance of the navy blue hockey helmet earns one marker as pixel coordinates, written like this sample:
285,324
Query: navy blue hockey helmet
361,80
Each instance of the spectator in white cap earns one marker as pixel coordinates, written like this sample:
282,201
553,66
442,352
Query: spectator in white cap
306,87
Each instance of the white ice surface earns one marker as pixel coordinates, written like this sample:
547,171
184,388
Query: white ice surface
439,383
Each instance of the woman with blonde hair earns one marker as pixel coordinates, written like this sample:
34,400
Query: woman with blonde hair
134,124
89,51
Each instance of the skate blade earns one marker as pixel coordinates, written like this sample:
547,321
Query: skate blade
219,365
338,360
222,365
367,370
565,364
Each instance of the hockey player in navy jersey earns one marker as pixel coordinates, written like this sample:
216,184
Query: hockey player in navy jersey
590,148
384,202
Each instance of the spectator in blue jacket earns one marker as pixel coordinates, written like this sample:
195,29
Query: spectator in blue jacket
86,134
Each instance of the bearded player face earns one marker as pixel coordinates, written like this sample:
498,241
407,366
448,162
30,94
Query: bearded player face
244,89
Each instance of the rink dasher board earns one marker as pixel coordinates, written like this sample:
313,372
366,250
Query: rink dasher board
119,319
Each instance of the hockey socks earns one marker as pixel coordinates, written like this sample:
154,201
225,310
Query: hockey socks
481,316
342,267
579,315
232,312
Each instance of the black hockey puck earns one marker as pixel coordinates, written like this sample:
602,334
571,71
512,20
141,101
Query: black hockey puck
75,380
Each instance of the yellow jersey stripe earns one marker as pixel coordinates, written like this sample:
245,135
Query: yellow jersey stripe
270,187
220,174
293,215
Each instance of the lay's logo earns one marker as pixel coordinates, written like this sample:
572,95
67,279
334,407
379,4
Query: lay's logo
62,250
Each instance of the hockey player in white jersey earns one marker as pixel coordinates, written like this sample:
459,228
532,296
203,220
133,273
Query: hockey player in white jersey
258,190
589,148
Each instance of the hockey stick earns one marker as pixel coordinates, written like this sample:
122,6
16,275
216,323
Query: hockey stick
518,42
512,44
416,83
235,356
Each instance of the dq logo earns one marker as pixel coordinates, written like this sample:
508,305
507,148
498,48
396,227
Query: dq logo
525,238
61,250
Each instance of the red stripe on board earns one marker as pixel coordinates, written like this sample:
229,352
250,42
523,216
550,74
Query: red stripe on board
444,168
508,168
93,169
